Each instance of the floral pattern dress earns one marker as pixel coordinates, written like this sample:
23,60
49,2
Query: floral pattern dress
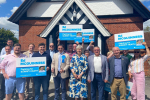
78,87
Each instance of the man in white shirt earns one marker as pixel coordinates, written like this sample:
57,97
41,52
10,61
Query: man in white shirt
97,73
29,54
2,79
10,43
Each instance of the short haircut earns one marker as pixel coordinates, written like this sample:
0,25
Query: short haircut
79,47
86,51
115,47
41,44
60,45
97,47
9,40
17,44
31,44
7,46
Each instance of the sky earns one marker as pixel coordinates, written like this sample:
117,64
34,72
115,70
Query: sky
8,7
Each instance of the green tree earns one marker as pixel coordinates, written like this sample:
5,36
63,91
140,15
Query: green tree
5,35
147,29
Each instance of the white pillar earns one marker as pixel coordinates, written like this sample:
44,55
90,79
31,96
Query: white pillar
99,42
50,39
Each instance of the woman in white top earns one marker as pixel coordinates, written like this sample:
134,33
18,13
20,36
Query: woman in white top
137,74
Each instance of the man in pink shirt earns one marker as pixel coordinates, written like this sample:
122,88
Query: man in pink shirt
9,73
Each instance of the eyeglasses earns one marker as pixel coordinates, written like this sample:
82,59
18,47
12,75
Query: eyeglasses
136,51
51,46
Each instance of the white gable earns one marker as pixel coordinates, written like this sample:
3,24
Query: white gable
99,7
64,10
44,9
110,7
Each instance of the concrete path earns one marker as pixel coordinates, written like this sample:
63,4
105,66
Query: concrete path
51,92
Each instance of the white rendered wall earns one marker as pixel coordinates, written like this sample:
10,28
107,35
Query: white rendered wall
110,7
99,7
44,9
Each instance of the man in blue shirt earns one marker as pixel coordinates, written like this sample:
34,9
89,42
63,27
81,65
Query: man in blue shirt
118,66
42,80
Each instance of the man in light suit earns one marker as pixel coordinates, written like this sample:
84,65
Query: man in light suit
118,66
59,69
29,54
97,73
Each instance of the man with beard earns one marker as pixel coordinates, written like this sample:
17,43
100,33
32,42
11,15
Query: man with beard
8,67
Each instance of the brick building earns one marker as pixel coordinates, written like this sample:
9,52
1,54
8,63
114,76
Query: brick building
39,20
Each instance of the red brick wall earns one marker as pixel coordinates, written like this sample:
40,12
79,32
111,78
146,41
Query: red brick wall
28,31
120,25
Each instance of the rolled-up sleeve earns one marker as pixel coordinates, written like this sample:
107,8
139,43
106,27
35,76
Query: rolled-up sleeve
146,57
3,63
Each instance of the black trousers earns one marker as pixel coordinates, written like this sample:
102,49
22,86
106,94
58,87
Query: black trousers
2,87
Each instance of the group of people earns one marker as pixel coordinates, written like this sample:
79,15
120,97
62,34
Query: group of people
85,73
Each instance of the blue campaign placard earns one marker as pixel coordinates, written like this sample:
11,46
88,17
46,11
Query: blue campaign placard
128,45
68,36
130,40
31,71
31,67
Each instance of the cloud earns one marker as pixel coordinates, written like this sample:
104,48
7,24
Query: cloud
14,9
147,23
144,0
4,23
2,1
22,0
149,6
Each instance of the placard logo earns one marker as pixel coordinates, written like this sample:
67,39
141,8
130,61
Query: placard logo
23,62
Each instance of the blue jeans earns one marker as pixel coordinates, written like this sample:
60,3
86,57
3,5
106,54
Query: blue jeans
97,82
38,81
57,81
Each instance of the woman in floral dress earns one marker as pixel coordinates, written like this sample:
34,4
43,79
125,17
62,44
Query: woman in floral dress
78,66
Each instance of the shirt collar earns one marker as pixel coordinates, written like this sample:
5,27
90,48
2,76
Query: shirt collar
15,56
51,50
96,56
126,55
42,53
61,53
118,58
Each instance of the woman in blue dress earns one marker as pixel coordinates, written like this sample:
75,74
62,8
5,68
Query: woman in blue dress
78,66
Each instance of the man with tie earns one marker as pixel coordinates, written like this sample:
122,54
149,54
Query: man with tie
59,69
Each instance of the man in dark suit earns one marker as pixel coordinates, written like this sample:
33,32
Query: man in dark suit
97,73
51,52
118,66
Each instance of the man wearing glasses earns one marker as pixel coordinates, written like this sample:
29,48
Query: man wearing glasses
51,52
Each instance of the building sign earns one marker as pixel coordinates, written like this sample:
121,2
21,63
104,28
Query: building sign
75,33
128,89
131,40
30,67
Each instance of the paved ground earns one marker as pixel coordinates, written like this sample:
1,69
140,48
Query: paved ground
51,92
